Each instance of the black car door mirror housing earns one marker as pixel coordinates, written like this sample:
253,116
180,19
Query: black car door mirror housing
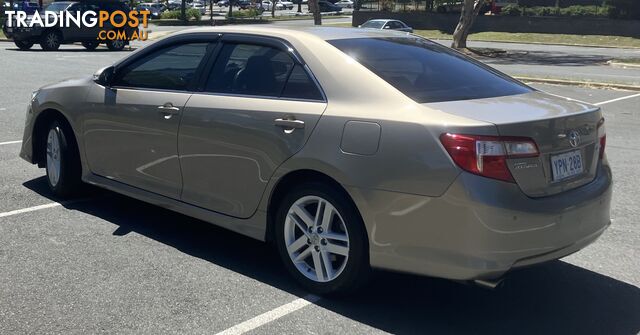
105,76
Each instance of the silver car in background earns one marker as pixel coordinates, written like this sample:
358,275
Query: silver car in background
347,149
386,24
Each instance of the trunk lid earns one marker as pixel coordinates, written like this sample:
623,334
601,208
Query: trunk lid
561,128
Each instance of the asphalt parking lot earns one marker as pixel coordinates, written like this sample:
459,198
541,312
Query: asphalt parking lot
105,263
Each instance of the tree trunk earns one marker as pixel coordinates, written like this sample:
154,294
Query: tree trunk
470,10
229,14
299,6
183,10
211,12
273,8
315,9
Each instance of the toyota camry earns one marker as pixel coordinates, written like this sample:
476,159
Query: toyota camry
346,149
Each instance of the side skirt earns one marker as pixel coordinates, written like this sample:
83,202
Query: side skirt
254,227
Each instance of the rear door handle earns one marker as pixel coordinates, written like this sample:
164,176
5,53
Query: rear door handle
288,123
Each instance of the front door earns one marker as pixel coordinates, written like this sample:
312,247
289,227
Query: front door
131,128
259,107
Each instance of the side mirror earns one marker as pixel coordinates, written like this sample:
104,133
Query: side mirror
105,76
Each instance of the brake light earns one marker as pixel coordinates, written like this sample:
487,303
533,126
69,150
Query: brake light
602,138
487,155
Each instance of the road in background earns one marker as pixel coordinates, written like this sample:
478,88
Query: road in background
107,263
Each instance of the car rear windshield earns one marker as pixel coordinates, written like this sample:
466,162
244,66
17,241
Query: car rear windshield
428,72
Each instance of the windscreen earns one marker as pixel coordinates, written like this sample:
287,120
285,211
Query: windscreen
373,24
428,72
57,6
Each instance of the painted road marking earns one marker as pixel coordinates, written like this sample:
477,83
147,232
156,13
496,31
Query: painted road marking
618,99
41,207
10,142
271,315
30,209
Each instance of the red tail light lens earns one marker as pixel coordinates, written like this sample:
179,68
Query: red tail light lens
602,138
487,155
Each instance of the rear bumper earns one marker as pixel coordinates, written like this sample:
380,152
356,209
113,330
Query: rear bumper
481,228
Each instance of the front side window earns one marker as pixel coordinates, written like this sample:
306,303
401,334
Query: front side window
426,71
173,68
250,70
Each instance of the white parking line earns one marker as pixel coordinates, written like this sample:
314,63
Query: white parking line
271,315
30,209
618,99
10,142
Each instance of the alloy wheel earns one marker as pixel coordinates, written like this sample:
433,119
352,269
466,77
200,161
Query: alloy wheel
53,157
52,40
316,238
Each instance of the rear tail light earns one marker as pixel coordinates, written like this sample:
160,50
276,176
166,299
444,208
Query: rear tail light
487,155
602,137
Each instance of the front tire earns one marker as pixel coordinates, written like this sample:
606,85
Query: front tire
321,239
23,45
90,45
50,40
62,160
115,45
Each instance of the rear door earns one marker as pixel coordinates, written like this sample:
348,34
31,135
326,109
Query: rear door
257,108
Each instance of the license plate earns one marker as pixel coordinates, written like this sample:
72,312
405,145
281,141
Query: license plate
567,165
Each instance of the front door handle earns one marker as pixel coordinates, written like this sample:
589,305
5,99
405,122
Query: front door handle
289,124
168,110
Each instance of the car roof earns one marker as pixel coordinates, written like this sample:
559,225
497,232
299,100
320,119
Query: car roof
324,33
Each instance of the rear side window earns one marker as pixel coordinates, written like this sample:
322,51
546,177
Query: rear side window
247,69
428,72
301,86
250,70
173,68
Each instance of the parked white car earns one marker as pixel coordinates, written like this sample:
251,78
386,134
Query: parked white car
200,7
266,5
284,5
344,4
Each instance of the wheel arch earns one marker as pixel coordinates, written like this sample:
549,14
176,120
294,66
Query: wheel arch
56,30
289,181
43,120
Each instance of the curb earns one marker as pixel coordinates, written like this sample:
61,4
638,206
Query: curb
542,43
623,64
579,83
561,44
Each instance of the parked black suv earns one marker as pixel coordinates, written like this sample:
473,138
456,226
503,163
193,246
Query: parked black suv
50,39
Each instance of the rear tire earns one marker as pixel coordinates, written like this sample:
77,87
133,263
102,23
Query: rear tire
23,45
115,45
50,40
62,160
90,45
332,256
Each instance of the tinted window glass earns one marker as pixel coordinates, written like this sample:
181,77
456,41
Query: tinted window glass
373,24
172,69
428,72
250,70
301,86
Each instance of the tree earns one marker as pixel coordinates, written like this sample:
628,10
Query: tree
183,10
315,9
470,10
229,15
